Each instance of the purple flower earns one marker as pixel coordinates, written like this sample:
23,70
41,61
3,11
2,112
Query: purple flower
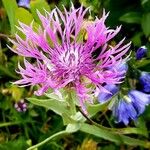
24,3
141,52
105,96
21,106
145,81
68,62
130,106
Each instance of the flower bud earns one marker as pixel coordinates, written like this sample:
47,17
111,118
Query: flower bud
141,52
112,90
145,82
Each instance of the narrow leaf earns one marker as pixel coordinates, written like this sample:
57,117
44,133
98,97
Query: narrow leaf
93,109
6,72
11,6
112,136
23,15
146,24
131,17
41,6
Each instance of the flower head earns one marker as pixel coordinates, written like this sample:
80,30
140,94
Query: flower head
130,106
141,52
145,81
62,60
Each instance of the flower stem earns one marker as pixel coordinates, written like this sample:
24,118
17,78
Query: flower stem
71,103
48,139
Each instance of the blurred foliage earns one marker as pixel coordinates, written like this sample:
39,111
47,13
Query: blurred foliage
20,130
88,145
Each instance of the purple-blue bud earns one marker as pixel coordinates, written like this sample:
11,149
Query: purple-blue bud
141,52
24,3
103,96
145,82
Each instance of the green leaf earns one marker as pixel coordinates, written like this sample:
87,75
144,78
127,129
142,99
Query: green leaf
23,15
52,95
144,1
11,6
146,5
93,109
67,119
131,17
41,6
6,72
112,136
129,130
146,24
136,39
59,107
142,63
102,133
141,125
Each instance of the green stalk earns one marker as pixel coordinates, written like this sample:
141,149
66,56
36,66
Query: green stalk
71,102
5,124
48,139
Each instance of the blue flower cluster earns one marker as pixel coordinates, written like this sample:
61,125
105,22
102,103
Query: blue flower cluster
130,106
